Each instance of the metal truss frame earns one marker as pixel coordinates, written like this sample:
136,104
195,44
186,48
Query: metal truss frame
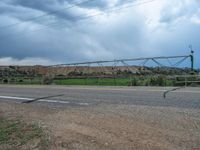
156,60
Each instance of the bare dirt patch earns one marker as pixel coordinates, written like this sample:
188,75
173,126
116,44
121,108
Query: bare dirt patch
114,127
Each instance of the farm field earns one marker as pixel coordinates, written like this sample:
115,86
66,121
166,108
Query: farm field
134,81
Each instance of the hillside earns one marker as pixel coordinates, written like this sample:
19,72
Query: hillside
32,71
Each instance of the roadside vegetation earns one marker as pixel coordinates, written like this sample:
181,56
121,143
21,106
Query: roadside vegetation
120,81
18,135
143,76
131,81
136,81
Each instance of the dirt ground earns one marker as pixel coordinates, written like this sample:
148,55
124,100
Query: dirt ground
117,127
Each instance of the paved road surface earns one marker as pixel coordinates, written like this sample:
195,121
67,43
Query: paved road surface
87,96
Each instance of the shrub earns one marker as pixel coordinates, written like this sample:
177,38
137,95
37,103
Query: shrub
5,80
134,82
47,80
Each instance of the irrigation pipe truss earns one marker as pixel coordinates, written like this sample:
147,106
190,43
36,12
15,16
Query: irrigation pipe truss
145,59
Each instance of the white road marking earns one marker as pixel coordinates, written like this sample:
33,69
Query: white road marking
44,100
85,104
54,101
15,98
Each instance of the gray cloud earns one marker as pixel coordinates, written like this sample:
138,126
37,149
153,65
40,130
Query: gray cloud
176,10
110,36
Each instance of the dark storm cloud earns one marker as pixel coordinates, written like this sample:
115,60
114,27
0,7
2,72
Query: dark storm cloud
70,44
50,10
55,10
53,7
102,4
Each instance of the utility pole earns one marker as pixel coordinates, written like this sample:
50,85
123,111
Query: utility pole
192,58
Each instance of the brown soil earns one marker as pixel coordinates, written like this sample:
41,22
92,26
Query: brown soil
117,127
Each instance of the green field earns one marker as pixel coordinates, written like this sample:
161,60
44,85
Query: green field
115,82
126,81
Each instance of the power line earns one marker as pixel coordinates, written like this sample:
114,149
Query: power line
46,14
110,10
117,9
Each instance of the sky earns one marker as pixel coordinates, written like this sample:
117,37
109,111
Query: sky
46,32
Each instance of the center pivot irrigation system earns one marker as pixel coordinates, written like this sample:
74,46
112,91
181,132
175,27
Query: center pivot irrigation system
172,61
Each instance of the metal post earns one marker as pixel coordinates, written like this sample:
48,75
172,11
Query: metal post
192,58
185,81
131,80
192,61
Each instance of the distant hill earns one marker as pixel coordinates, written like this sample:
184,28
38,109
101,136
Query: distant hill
88,71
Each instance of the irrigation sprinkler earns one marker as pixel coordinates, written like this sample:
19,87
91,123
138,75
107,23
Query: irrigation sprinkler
156,60
170,61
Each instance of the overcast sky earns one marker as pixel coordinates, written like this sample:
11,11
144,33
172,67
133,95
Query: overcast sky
148,28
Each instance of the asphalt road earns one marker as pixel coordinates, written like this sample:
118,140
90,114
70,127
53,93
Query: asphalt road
88,96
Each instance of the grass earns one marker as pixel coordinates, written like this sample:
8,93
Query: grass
126,81
20,80
116,82
16,135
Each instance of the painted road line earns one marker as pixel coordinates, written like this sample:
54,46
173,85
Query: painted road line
54,101
84,104
45,100
15,98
